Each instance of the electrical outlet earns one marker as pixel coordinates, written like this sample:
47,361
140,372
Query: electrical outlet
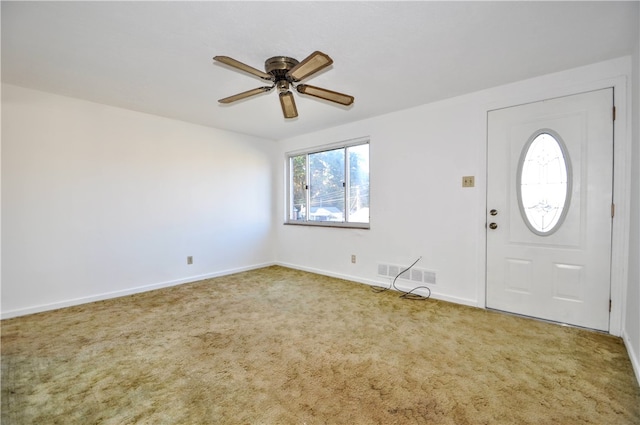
190,260
468,181
353,258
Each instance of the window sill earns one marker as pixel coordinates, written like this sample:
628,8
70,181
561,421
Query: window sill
364,226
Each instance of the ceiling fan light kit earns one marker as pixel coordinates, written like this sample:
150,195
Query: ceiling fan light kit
285,72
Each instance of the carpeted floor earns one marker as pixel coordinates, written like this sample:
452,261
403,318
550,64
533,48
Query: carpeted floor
281,346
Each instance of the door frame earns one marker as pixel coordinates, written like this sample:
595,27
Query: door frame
621,180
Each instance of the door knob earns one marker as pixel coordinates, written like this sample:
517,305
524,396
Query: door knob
493,225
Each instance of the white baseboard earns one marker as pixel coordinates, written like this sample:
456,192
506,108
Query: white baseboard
384,283
633,356
121,293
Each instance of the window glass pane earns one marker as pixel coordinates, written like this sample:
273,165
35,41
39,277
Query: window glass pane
326,177
298,167
543,189
358,183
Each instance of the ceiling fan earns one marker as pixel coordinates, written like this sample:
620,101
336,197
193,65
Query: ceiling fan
285,72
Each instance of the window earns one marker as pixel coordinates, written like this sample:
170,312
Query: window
330,186
544,182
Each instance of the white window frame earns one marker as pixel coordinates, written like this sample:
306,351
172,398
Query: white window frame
289,182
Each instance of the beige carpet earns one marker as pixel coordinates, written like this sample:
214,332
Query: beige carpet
280,346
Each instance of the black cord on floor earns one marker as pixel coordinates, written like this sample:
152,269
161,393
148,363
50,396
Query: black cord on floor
407,295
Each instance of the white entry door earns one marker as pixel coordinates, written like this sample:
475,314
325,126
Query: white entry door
549,209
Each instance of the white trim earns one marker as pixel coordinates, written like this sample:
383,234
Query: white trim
621,186
343,224
130,291
621,196
633,356
371,282
330,146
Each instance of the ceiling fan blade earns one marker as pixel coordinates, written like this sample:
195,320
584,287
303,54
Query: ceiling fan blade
245,94
243,67
310,65
288,105
333,96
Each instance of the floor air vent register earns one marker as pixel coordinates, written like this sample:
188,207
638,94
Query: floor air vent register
416,275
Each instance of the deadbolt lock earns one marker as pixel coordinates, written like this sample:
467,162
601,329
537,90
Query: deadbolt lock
493,212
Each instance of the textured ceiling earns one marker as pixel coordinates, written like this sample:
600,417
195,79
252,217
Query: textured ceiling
156,57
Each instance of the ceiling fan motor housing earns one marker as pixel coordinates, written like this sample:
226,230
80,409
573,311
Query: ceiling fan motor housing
278,66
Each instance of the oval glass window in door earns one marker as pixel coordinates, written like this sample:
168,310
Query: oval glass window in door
544,182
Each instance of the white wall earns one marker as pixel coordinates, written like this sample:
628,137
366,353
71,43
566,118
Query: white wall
418,207
100,201
632,319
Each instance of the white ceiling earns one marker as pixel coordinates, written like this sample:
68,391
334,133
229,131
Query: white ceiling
156,57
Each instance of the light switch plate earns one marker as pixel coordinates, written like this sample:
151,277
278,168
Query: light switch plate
468,181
